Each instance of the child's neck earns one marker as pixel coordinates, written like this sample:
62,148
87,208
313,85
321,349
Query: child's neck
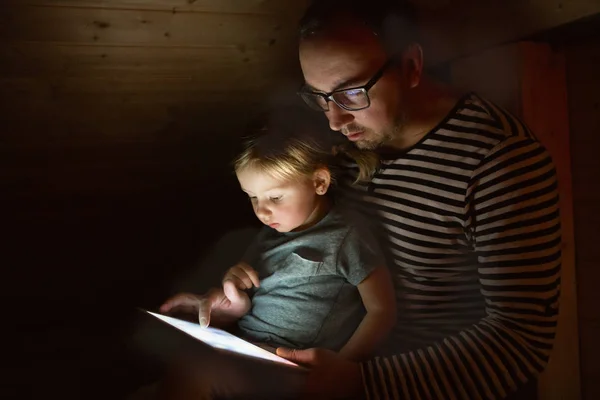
322,207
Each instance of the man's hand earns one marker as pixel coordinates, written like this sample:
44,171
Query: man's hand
331,376
222,306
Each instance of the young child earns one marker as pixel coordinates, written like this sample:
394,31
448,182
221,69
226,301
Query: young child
314,276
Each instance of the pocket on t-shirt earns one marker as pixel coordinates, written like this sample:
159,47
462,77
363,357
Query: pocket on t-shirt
311,263
300,264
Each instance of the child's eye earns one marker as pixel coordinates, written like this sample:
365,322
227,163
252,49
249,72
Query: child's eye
275,199
252,199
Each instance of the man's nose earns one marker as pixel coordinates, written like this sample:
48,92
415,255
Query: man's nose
338,117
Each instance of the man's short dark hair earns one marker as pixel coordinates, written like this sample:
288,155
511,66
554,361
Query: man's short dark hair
393,21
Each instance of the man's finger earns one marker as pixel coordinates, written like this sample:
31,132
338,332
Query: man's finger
182,299
307,357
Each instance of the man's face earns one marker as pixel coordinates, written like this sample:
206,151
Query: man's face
336,62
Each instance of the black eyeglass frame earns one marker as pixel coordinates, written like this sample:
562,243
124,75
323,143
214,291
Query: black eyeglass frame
365,89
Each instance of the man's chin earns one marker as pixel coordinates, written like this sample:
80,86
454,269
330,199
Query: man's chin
366,145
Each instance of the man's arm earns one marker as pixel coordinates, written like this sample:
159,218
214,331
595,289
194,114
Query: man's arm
514,222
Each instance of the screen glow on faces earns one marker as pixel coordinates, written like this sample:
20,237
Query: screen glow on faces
283,205
221,340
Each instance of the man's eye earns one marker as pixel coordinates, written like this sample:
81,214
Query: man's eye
353,93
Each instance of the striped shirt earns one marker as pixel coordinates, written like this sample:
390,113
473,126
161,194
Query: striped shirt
470,216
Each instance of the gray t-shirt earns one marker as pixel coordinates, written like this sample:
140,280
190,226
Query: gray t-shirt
308,295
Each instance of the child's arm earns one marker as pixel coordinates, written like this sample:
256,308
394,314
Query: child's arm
378,296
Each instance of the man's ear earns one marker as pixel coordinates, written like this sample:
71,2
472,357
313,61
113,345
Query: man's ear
321,180
412,64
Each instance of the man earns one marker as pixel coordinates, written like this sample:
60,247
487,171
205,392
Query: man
467,199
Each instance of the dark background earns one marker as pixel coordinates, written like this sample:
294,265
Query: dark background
118,121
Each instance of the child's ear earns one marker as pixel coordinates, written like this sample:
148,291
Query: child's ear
321,180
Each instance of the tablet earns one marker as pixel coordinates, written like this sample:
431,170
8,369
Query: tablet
222,341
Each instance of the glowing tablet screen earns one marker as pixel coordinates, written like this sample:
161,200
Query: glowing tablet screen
220,339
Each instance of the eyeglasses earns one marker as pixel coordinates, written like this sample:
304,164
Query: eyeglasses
352,99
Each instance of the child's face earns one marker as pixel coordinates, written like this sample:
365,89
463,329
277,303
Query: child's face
283,205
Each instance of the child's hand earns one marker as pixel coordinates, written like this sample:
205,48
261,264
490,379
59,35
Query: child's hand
242,276
215,306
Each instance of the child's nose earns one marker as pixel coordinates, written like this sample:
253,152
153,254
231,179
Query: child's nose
262,211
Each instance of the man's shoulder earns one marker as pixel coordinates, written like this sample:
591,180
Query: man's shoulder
488,122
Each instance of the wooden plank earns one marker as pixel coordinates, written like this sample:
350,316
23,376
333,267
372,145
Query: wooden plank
583,58
592,388
587,223
91,95
143,28
20,59
470,26
590,353
545,109
129,87
588,295
43,111
88,120
266,7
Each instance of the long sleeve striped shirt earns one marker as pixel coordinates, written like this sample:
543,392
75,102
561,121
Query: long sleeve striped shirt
470,216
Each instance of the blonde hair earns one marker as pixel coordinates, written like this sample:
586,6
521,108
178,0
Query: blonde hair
366,160
291,144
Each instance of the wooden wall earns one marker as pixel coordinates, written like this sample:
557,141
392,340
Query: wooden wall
118,122
458,28
583,64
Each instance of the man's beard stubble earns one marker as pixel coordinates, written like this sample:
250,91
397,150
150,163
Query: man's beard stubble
379,139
